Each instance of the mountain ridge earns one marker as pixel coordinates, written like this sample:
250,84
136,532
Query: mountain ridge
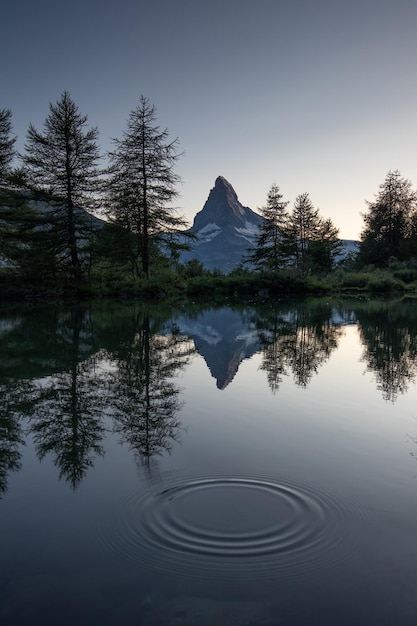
224,230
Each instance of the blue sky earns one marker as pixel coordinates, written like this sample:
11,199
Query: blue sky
317,96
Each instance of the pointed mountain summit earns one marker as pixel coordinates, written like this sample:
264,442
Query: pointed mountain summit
224,209
224,228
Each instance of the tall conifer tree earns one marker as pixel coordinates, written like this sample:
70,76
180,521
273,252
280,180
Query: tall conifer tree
142,185
61,166
390,222
7,142
269,252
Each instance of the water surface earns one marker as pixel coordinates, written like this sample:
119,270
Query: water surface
253,465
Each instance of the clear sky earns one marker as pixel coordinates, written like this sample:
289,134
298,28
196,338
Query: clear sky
318,96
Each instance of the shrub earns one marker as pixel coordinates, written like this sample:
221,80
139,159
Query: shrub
354,280
384,282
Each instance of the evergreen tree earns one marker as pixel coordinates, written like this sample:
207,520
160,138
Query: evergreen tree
312,242
269,252
7,142
61,166
413,236
389,223
17,220
326,247
142,185
303,226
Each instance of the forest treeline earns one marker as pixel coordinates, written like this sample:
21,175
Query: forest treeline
51,243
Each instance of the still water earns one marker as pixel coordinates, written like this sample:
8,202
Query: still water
250,466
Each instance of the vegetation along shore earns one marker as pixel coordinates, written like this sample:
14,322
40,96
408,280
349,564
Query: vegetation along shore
70,228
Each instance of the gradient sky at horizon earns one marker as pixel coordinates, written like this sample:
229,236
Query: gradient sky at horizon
318,96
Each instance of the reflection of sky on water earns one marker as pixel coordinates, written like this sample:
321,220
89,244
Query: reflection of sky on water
341,411
324,440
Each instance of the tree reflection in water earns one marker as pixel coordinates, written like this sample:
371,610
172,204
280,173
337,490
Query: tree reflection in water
11,432
298,340
143,397
47,392
64,373
92,367
66,417
388,332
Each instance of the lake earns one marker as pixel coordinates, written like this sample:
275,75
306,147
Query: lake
248,465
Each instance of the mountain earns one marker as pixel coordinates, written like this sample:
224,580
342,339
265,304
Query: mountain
224,229
350,247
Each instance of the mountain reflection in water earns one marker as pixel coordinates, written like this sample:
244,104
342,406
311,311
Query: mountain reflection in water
236,486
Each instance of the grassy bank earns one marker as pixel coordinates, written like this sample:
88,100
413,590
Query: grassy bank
166,284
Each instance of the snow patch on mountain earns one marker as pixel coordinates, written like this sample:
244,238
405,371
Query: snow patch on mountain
226,230
204,332
208,232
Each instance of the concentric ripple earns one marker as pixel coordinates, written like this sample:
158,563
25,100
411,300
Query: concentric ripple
239,524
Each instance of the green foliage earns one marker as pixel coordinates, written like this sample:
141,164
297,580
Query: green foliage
406,274
245,283
269,252
354,280
49,248
7,142
384,282
141,186
26,246
60,165
192,268
117,280
301,239
311,241
390,224
369,280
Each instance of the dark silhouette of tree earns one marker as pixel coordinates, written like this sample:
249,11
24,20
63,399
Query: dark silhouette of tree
14,213
389,337
302,228
67,422
272,325
60,164
390,223
7,142
326,247
141,187
12,395
312,243
299,342
309,347
29,244
269,252
144,397
66,418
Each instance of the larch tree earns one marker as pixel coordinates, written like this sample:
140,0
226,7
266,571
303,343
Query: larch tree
312,242
6,156
390,222
302,228
141,188
16,218
60,164
269,252
326,247
7,150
